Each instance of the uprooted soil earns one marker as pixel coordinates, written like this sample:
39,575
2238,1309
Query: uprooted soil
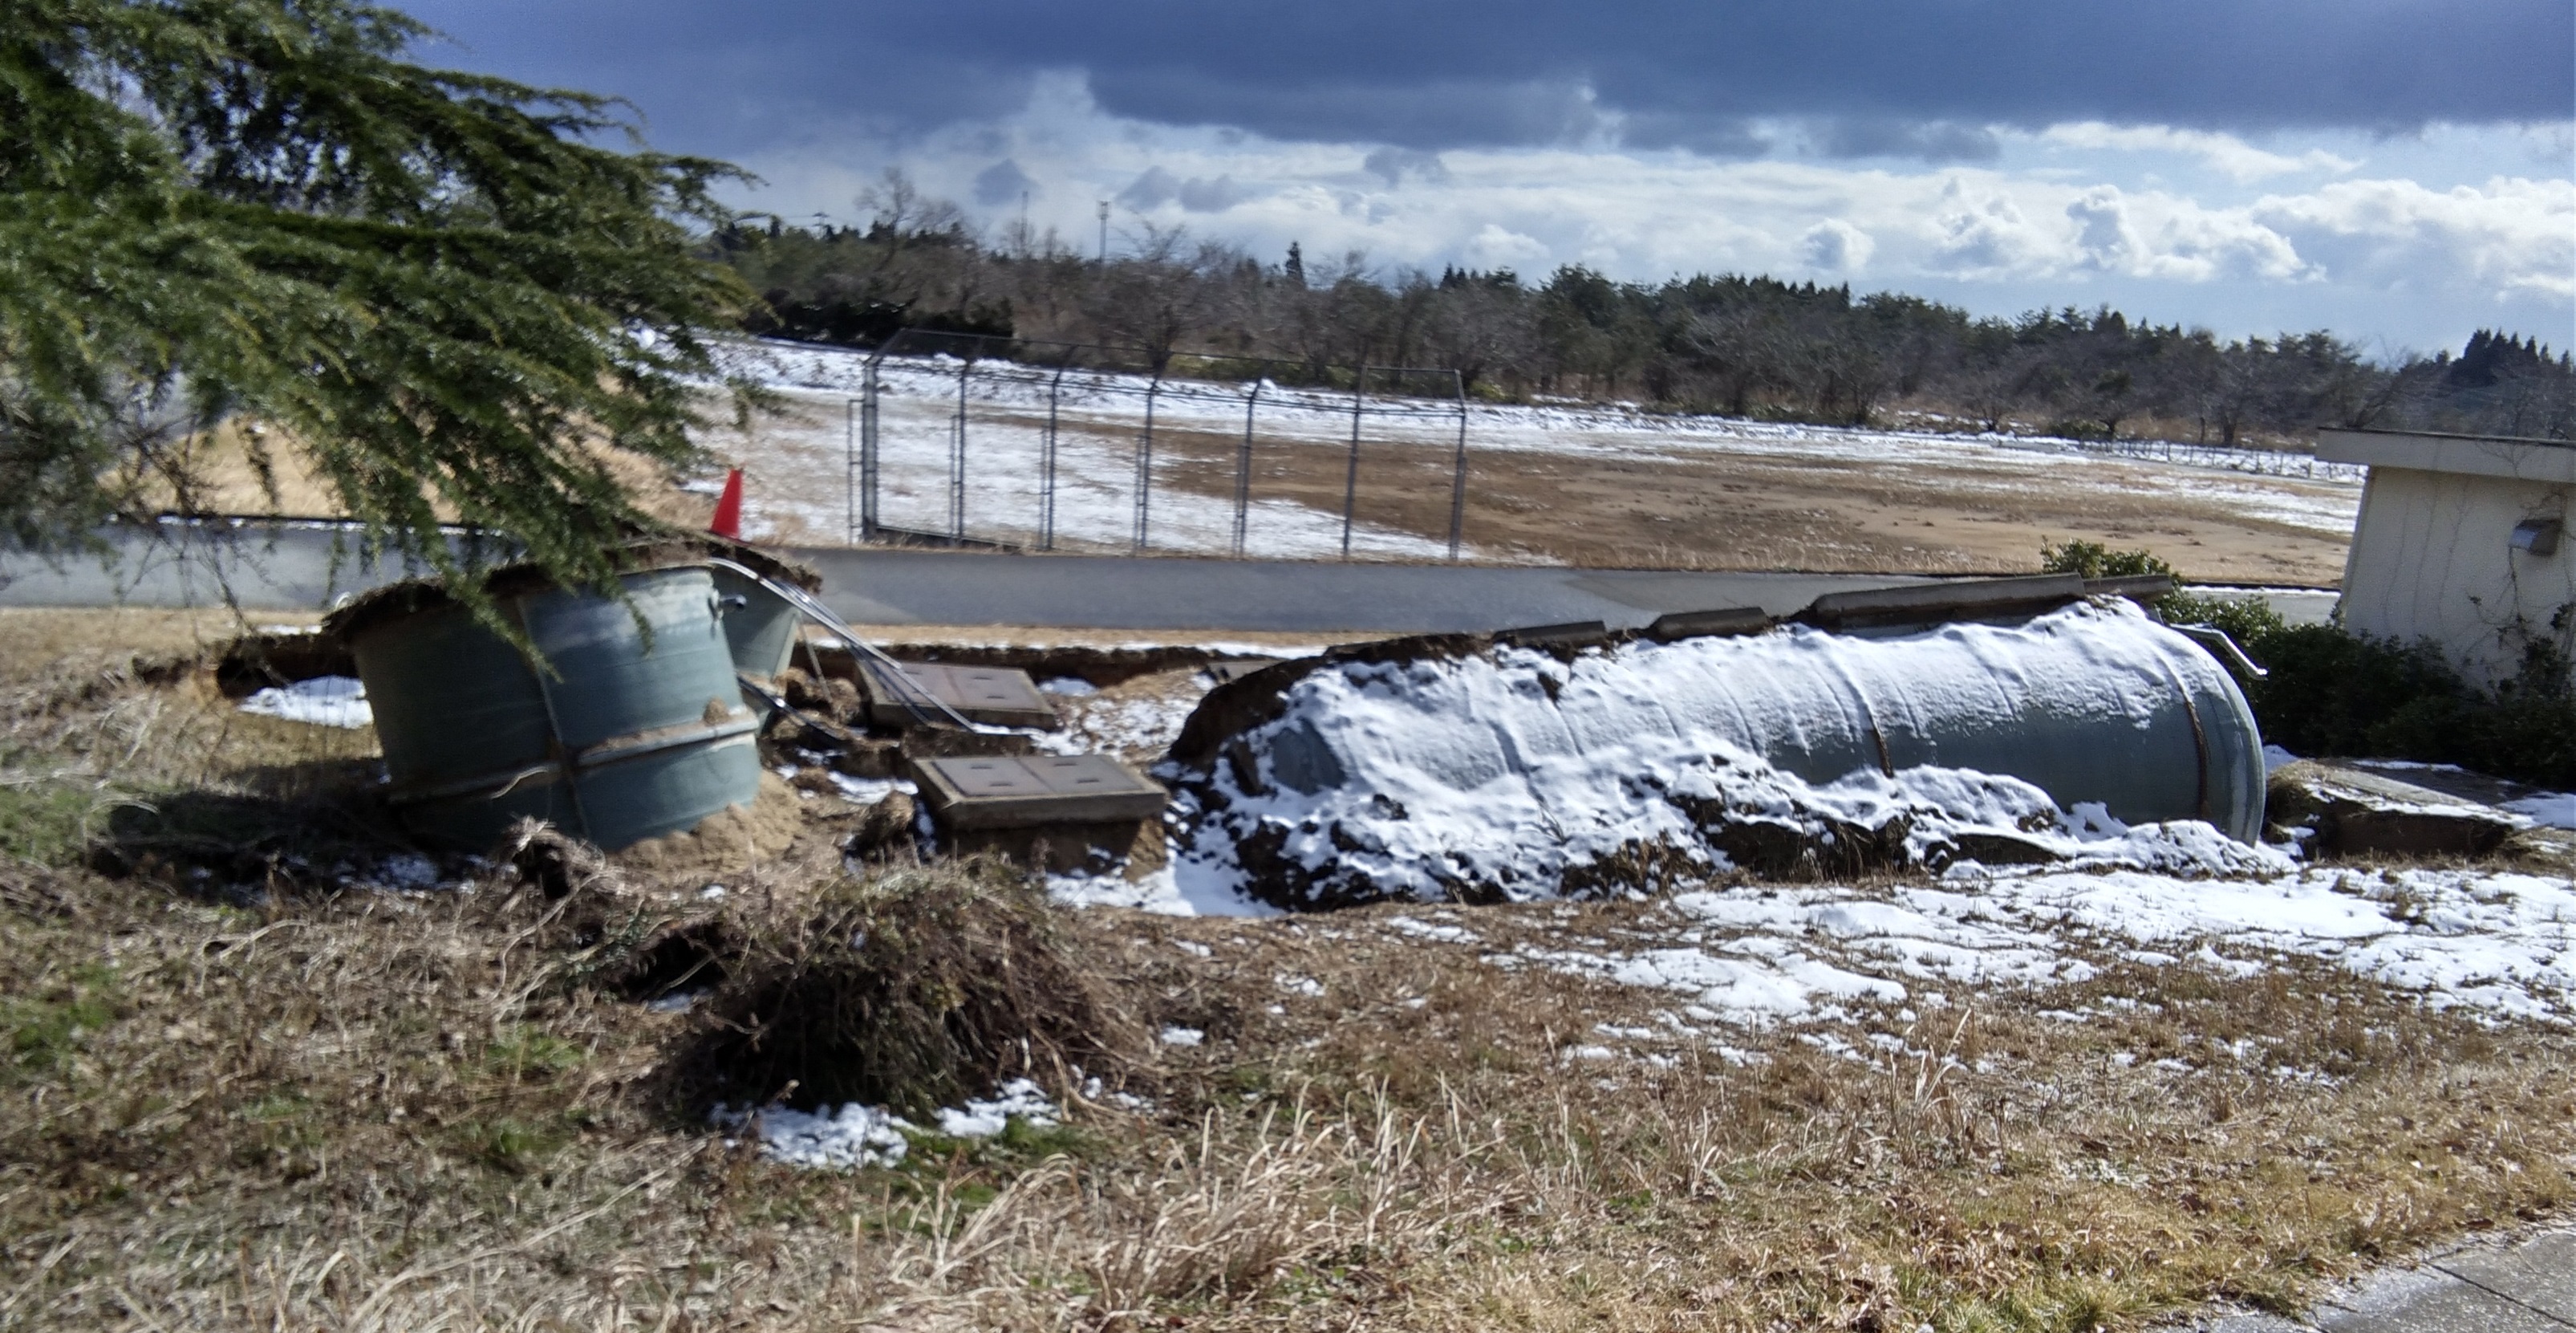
372,1109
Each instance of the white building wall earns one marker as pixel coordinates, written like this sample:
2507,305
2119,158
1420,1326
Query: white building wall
2432,553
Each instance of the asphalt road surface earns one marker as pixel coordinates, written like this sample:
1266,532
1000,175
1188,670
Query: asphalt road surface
308,567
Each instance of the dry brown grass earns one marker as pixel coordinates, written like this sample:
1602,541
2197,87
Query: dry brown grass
1683,507
306,1110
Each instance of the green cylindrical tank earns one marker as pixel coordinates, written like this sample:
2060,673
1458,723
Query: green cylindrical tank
638,731
759,625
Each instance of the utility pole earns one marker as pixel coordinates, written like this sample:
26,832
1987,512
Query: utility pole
1104,231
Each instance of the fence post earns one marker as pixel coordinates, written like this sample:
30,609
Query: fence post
1351,475
1046,482
1145,463
868,516
1458,472
1243,460
957,458
850,469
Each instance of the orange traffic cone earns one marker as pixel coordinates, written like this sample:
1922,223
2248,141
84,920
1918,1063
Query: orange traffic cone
728,522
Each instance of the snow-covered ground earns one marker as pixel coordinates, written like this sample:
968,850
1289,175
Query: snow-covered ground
807,470
2501,944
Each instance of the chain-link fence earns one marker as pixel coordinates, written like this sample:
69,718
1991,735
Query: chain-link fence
986,440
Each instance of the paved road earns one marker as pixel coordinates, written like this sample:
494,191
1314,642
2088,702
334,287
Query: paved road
2522,1286
304,568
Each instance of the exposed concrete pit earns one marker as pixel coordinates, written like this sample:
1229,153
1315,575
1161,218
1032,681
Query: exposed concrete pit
996,696
1056,812
1018,791
1091,664
2349,812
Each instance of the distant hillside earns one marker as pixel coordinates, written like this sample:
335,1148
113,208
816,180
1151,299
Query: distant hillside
1745,346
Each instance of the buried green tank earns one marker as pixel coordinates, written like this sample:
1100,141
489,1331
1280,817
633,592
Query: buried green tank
760,626
638,730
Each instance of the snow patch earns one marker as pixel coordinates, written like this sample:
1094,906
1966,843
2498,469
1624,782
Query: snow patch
328,701
2552,809
2502,945
856,1135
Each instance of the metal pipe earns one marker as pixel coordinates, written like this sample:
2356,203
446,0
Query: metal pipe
1145,462
1243,461
1458,472
868,516
957,458
1351,475
892,674
850,472
1046,480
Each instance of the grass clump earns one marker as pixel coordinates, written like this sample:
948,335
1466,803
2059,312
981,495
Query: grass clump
913,990
45,822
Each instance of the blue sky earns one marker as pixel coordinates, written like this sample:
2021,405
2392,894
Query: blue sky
2400,171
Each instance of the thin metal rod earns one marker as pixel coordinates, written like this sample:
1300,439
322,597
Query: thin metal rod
1351,476
1243,461
868,453
1046,480
957,459
1145,464
1458,473
850,473
898,682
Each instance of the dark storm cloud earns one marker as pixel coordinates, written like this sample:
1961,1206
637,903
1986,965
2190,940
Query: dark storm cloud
1879,77
1929,141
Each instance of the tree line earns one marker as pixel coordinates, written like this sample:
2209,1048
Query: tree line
1738,345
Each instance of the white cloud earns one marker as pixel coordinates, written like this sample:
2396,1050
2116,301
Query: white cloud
1837,246
2510,235
2386,257
1494,247
2224,153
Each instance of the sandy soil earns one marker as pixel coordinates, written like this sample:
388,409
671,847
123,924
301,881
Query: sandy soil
1652,499
1700,509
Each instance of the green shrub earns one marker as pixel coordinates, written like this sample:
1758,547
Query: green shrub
2093,560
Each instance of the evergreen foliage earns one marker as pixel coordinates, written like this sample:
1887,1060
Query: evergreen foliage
434,284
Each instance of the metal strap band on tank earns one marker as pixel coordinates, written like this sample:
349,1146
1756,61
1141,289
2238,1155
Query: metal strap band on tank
491,786
2199,738
639,743
554,727
1868,716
